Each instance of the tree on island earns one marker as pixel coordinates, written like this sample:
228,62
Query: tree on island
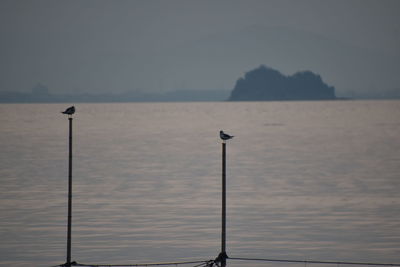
267,84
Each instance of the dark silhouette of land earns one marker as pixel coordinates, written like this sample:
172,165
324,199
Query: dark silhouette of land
260,84
267,84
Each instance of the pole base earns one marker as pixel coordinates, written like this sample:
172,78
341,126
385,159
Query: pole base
221,259
74,263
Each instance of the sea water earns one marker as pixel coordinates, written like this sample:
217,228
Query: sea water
305,181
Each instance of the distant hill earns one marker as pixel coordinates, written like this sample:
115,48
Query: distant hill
267,84
223,56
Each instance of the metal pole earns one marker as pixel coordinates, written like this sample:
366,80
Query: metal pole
223,234
68,263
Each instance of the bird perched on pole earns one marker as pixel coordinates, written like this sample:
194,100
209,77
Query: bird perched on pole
69,111
225,136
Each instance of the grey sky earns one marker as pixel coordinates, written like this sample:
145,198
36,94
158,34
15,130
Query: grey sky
104,46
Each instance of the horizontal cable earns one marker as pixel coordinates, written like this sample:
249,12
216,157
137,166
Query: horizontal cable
319,262
140,264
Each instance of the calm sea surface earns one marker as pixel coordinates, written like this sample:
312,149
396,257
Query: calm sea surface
305,180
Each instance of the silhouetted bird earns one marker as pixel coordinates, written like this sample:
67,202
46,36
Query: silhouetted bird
225,136
69,111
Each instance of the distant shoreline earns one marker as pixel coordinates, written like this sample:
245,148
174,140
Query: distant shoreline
134,97
198,101
172,96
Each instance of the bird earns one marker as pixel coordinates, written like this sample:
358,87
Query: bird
69,111
225,136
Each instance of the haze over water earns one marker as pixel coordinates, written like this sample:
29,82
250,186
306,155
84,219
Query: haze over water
306,181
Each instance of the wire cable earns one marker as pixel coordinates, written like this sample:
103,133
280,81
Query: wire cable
207,263
202,262
316,262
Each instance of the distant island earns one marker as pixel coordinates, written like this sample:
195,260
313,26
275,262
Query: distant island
267,84
260,84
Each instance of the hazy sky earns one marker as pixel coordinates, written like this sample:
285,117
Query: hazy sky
121,45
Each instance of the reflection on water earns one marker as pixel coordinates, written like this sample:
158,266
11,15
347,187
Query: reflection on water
306,180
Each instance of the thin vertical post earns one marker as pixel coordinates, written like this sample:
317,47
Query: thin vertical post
223,234
68,263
